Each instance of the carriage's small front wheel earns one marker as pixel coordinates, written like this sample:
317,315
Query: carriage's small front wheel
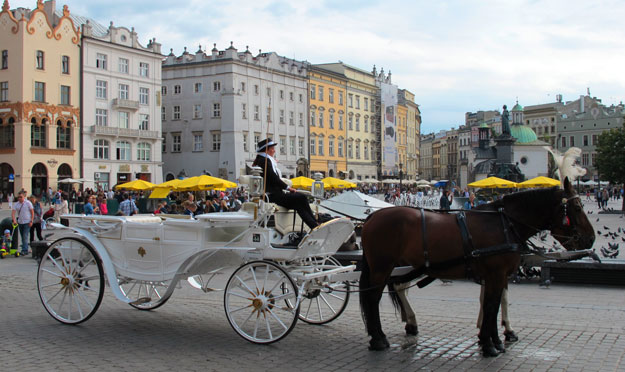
70,280
146,295
254,301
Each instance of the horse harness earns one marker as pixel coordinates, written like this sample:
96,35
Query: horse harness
470,253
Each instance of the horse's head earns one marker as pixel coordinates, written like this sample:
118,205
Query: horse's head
570,225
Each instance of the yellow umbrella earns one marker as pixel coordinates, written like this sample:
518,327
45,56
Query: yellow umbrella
493,183
335,183
540,181
204,182
136,185
171,184
302,182
159,193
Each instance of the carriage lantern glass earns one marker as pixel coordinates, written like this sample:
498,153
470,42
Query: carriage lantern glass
317,186
256,182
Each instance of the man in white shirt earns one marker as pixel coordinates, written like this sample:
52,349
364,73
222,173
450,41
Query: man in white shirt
23,214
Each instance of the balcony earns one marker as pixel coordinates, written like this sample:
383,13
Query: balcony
124,132
125,104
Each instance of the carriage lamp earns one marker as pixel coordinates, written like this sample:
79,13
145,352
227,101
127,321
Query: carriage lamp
317,186
256,182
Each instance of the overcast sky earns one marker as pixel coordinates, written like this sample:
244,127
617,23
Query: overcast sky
456,56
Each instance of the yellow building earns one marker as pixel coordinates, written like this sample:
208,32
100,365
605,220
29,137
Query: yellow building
402,124
327,129
413,133
39,98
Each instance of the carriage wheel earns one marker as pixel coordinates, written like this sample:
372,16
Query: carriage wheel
70,280
321,305
146,295
253,302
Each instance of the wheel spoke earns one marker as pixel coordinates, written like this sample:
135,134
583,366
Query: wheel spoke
327,303
277,319
59,291
78,306
254,277
245,285
52,273
268,326
319,308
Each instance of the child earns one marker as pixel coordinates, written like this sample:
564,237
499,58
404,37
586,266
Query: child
6,243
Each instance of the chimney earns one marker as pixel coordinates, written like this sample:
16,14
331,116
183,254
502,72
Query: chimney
581,104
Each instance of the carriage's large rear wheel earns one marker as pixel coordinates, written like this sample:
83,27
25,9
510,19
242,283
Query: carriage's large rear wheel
70,281
323,303
254,301
146,295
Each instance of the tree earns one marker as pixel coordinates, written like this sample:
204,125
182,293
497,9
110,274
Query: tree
611,157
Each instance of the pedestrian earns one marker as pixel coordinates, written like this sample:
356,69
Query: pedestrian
23,214
470,204
128,206
10,200
36,227
444,201
101,203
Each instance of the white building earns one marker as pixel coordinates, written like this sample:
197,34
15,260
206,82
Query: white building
121,106
217,106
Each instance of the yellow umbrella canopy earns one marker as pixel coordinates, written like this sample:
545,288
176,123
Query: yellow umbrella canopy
136,185
540,181
159,193
493,183
171,184
335,183
302,182
204,182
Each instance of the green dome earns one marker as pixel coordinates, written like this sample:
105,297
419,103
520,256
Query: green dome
522,133
484,125
517,107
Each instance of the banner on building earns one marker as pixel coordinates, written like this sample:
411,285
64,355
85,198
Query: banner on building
389,137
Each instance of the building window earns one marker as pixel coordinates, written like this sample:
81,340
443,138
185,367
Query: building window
281,94
176,113
320,145
595,140
101,88
164,90
291,118
312,118
100,61
357,123
282,145
216,110
5,59
292,145
37,133
358,102
256,137
65,65
291,96
163,113
144,151
124,119
123,65
313,91
331,95
122,150
593,158
144,96
197,111
320,93
366,152
585,159
268,92
216,86
331,120
197,87
164,143
366,123
101,117
350,100
176,89
269,115
245,143
320,119
301,98
301,119
340,122
300,146
144,122
357,150
144,69
198,142
366,105
312,146
63,135
40,91
571,141
281,116
7,134
340,147
256,89
341,98
243,111
216,141
256,112
101,149
563,142
243,87
350,122
350,154
4,91
124,91
331,146
176,142
40,60
585,140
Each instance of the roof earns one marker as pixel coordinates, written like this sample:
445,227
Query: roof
523,133
98,29
517,107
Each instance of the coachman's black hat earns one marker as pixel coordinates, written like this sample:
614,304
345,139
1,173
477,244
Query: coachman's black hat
264,144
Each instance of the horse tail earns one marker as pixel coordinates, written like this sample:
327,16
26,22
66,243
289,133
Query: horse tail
365,288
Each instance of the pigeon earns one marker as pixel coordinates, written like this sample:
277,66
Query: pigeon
623,239
594,256
619,230
605,227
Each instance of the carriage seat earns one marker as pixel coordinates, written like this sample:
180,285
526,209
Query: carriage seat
226,217
143,219
284,220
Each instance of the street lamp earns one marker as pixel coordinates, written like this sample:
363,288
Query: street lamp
401,175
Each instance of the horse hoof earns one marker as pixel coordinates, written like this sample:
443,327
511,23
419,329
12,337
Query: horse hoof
511,336
412,329
489,351
379,344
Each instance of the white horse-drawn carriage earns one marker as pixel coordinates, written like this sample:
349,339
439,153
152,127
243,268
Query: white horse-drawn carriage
143,258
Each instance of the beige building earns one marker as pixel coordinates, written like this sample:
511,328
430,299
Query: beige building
39,98
413,134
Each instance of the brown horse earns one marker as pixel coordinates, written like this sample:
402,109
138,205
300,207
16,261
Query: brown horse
487,249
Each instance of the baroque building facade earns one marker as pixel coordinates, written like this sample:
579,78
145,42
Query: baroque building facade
218,105
39,98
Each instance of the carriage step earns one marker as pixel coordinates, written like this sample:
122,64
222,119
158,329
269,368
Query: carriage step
141,301
284,246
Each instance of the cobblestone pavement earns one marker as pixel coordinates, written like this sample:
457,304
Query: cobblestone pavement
564,327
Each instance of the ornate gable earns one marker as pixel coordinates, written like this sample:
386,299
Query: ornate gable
7,21
66,28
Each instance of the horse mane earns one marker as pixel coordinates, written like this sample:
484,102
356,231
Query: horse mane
543,197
